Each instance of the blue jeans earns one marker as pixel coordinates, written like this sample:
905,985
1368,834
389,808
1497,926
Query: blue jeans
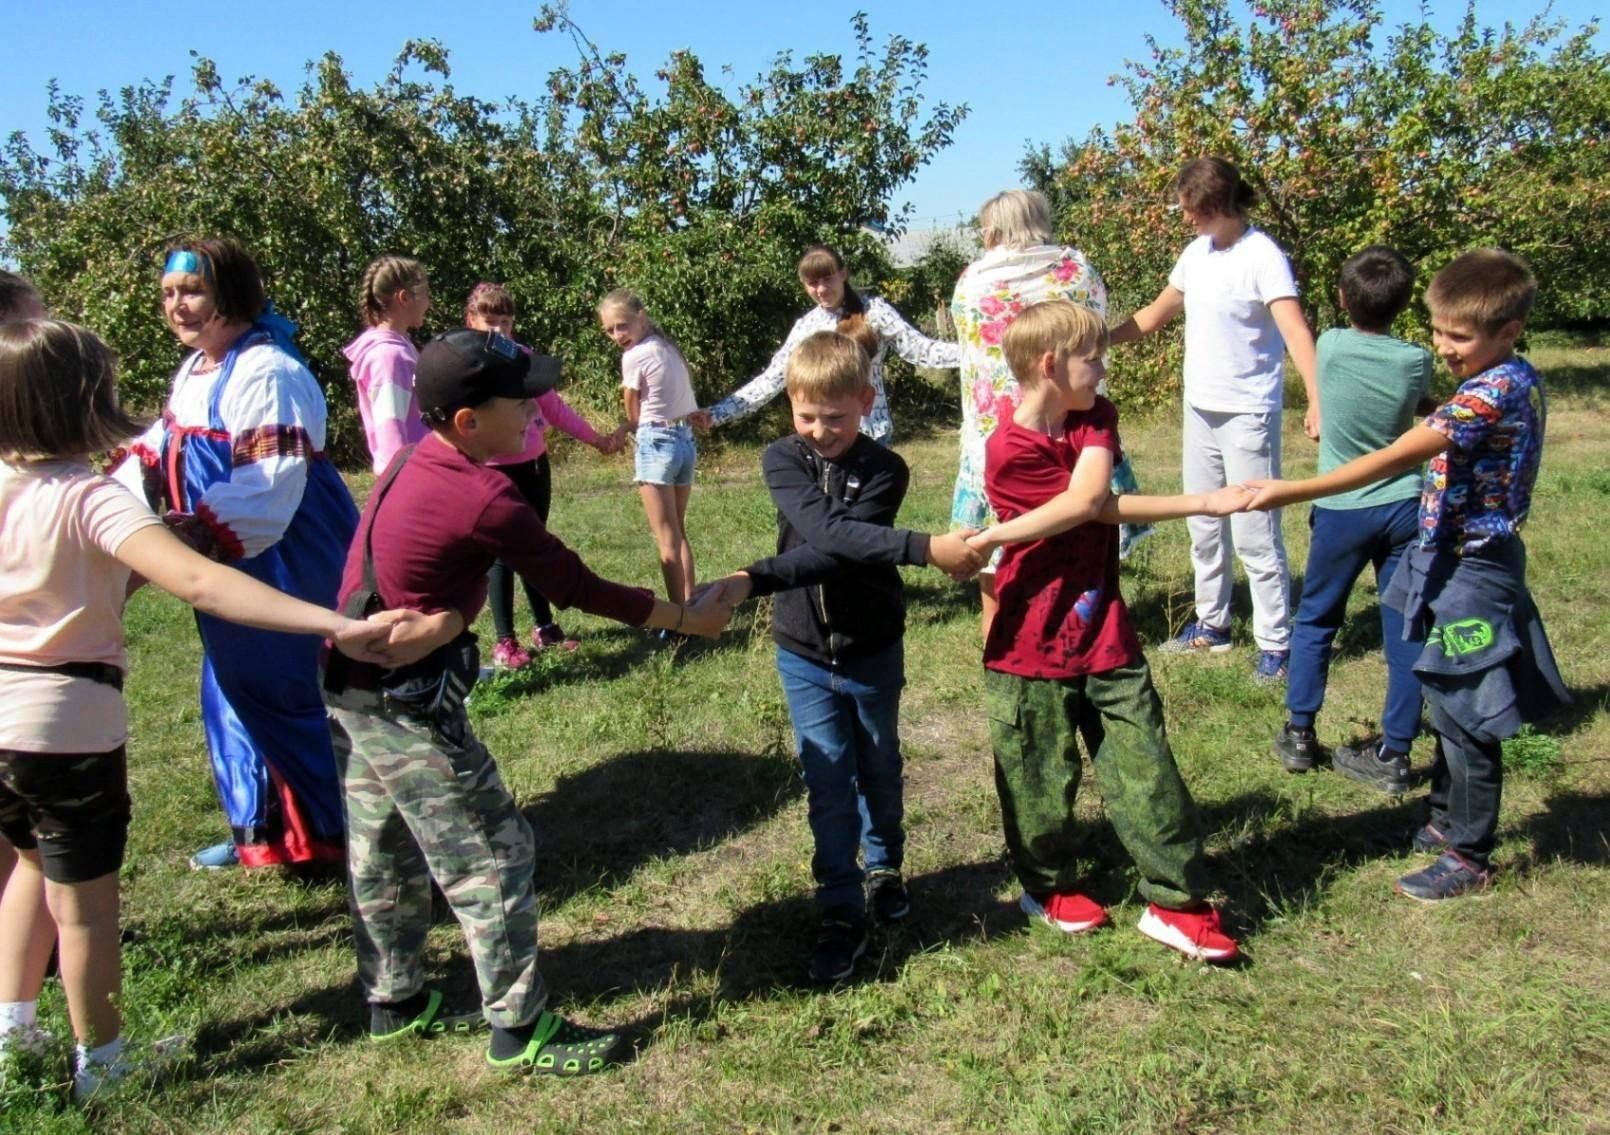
1343,542
665,455
847,735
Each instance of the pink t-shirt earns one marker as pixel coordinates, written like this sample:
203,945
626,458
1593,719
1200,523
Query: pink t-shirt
61,600
654,368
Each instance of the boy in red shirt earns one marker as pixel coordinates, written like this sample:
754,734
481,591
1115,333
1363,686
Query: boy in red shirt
1062,659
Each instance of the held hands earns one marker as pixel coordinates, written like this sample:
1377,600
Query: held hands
701,420
364,640
955,554
1271,493
729,590
614,442
1227,500
708,615
411,634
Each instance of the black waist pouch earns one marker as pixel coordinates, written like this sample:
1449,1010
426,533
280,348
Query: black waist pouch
435,687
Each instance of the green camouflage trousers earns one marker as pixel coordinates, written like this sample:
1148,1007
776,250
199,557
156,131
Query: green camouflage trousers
425,802
1033,724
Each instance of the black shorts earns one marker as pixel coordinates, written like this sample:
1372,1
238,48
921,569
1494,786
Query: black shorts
72,807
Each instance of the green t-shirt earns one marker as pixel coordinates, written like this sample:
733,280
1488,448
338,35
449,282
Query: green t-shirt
1368,387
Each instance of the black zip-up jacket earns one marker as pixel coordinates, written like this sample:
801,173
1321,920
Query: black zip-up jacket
838,592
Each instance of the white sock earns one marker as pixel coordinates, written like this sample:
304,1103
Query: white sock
16,1015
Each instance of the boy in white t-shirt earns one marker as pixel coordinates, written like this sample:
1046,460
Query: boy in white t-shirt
1241,315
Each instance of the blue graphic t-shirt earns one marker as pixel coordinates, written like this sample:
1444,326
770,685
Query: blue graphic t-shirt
1480,487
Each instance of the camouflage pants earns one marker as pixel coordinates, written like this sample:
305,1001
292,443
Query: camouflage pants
425,801
1033,724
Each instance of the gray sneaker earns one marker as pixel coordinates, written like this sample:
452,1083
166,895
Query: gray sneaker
1361,761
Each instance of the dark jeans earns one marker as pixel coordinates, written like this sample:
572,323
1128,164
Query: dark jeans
1344,541
534,479
847,735
1034,723
1467,782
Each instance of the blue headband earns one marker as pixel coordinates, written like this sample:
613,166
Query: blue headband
194,263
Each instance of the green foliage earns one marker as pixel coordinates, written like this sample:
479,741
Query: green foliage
699,197
1432,143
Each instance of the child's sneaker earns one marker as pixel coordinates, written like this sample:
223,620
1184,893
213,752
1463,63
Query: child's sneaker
840,942
549,636
218,857
1298,748
1429,840
1370,762
99,1079
1194,933
1067,911
887,896
1198,638
1272,667
508,654
1449,877
25,1042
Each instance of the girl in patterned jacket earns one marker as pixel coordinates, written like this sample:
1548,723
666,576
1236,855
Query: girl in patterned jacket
839,307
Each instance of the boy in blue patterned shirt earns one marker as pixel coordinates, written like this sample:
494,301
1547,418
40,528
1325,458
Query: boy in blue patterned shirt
1485,664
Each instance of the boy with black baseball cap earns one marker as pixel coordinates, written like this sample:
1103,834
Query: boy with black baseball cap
423,796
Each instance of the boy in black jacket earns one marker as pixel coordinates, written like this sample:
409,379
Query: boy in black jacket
838,622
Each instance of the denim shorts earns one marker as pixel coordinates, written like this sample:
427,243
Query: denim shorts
665,455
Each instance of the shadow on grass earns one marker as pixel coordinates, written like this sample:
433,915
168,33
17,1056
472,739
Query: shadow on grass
1570,829
599,825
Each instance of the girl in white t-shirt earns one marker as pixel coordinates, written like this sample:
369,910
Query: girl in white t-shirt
1241,318
659,398
70,540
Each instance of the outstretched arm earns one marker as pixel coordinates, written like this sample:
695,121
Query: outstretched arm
163,559
1414,447
1089,486
1169,303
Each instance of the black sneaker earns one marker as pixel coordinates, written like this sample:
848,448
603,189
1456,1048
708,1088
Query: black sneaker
1451,876
887,896
1368,763
840,942
1298,748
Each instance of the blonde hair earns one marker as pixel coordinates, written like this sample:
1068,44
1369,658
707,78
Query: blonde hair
630,301
1058,327
1015,218
384,278
1486,287
828,364
58,392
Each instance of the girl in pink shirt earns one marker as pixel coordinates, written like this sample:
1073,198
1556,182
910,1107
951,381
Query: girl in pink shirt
70,541
491,308
392,301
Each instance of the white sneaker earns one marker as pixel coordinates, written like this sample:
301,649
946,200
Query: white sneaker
100,1080
26,1042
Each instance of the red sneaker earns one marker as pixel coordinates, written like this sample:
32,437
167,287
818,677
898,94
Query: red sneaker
1194,933
1068,911
507,654
551,637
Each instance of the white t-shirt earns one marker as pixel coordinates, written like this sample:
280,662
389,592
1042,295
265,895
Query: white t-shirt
61,600
656,371
1234,355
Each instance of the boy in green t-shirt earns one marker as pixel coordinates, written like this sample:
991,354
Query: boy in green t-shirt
1370,385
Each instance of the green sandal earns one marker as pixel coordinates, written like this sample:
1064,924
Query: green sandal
432,1022
559,1048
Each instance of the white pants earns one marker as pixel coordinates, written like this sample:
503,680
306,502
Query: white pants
1225,449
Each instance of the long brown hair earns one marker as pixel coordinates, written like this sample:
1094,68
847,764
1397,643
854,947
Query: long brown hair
821,261
58,392
384,278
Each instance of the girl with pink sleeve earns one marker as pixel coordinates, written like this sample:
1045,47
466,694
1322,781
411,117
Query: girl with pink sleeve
491,308
392,301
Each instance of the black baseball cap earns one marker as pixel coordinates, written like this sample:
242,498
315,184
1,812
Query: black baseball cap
467,367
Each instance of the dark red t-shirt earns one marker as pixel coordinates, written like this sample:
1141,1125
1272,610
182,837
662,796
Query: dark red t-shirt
446,518
1060,615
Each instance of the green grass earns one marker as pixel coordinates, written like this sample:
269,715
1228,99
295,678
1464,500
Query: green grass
674,871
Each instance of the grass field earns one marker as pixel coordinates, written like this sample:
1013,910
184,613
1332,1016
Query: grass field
674,876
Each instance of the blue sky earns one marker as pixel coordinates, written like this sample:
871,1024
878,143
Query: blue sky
1041,79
